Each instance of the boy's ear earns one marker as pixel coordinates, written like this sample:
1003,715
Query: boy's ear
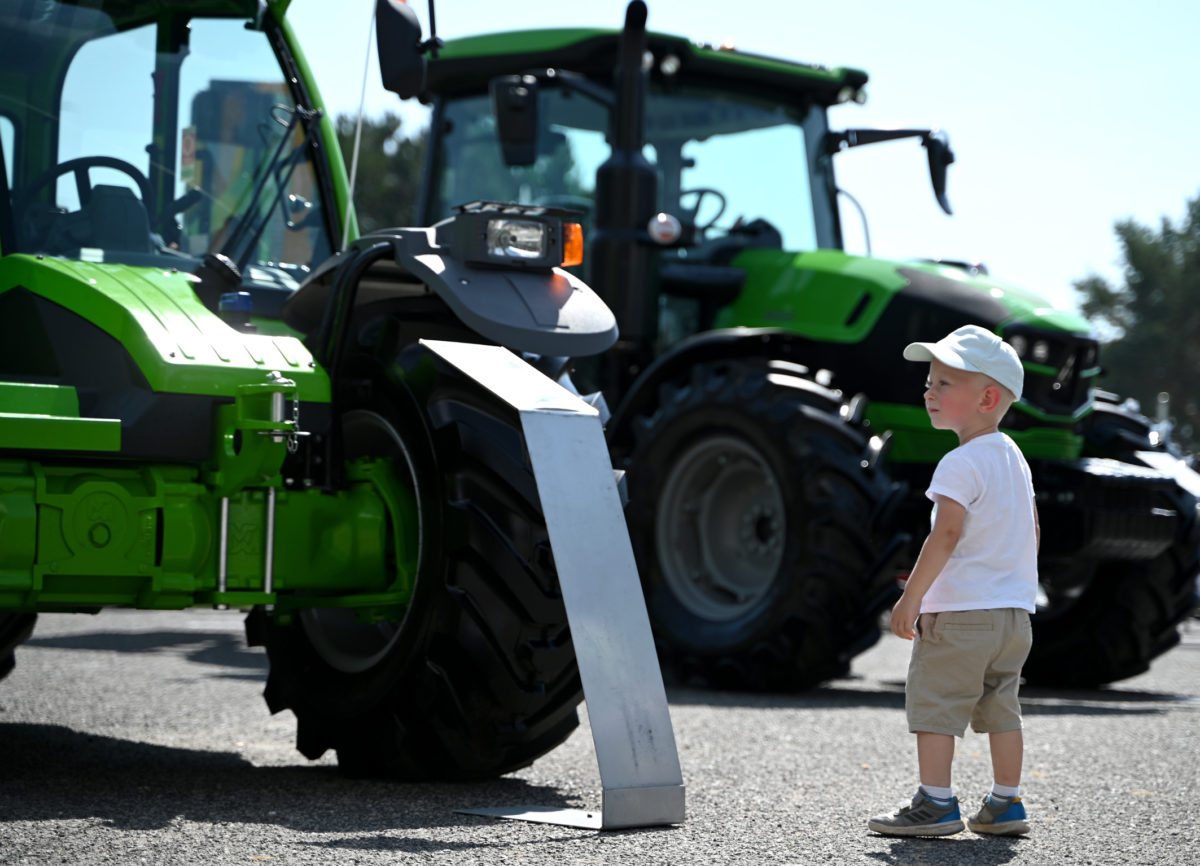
991,398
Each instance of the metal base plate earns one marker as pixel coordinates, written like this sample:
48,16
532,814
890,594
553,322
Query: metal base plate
542,815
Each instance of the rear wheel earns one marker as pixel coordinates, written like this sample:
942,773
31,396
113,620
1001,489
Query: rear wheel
752,517
479,678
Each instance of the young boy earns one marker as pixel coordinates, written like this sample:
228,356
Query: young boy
968,599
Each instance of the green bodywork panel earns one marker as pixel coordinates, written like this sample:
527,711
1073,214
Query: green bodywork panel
914,440
178,345
832,297
521,42
814,294
80,537
39,416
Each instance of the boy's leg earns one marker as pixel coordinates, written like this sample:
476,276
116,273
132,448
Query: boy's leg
1003,812
935,757
1008,752
934,809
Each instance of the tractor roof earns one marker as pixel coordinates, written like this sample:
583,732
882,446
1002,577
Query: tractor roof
467,64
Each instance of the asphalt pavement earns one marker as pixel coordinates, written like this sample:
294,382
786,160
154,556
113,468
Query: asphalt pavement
142,737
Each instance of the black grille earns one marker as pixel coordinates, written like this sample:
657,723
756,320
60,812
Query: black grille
1067,390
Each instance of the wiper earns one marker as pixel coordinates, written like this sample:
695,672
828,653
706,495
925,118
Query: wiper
239,243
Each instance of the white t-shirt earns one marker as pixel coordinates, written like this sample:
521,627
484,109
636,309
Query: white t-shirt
994,564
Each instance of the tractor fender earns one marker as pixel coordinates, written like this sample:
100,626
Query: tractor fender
730,343
541,311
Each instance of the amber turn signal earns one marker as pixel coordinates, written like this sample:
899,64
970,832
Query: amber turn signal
572,245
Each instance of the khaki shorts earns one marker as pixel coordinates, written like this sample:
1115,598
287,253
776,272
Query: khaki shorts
966,667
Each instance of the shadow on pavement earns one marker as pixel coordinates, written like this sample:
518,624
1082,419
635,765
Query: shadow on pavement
53,773
217,648
961,850
890,695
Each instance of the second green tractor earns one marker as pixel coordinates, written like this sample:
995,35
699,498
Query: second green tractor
776,446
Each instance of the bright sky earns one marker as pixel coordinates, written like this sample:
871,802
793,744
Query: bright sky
1065,116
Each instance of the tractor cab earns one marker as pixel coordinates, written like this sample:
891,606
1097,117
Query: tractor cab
726,166
158,136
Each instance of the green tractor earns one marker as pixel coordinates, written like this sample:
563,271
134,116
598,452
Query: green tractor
213,392
775,444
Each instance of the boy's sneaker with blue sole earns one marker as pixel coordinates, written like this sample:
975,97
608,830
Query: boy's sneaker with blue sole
1000,817
924,817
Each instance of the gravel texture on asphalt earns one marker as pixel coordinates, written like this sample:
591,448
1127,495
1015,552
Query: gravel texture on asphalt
141,737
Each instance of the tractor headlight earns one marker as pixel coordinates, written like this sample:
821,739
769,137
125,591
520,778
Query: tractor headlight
520,239
1041,351
1020,345
509,235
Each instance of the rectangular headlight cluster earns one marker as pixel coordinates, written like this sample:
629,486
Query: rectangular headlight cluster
509,235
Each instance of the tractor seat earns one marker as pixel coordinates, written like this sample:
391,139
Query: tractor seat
118,220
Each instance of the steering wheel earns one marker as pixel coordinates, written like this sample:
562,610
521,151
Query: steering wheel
83,183
700,193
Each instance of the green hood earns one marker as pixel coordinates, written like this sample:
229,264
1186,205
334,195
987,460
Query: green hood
177,344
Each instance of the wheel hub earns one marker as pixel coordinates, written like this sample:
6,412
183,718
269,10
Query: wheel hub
720,528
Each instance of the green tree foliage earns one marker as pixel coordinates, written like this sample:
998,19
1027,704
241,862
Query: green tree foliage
389,170
1155,319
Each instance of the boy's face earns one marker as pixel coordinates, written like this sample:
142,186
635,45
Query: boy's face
954,399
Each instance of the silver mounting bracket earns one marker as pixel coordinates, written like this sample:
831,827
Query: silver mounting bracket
640,776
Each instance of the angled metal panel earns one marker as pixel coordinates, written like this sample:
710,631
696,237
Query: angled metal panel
622,684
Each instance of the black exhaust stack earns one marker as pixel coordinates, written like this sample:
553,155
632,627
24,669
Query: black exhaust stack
622,266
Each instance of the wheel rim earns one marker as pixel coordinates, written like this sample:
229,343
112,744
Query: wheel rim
720,528
345,643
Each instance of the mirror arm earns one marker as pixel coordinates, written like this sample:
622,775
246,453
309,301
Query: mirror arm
934,141
837,141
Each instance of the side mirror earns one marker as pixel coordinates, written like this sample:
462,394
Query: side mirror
937,147
401,53
515,107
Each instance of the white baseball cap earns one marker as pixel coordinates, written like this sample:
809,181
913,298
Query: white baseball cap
976,350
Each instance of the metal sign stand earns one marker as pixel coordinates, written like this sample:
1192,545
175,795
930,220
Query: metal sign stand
622,684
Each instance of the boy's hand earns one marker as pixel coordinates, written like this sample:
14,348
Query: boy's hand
904,616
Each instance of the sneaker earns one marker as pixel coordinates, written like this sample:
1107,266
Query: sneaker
1000,817
923,818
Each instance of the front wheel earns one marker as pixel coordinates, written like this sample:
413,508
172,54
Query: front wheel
753,518
479,678
1099,621
15,629
1113,621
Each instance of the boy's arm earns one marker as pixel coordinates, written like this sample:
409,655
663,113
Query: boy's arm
935,552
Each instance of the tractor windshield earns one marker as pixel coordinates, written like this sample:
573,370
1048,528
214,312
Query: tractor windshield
148,140
724,161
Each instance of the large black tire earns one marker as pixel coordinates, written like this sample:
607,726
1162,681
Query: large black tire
1125,616
15,629
1114,617
480,677
753,515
